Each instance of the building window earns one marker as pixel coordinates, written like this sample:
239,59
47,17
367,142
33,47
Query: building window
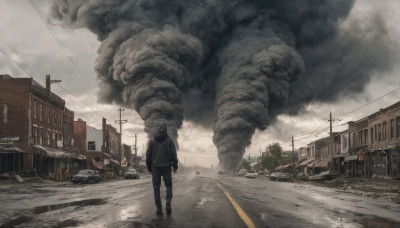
35,136
48,114
55,117
379,133
398,126
60,120
376,133
41,111
384,130
54,139
48,137
360,138
34,109
365,137
372,135
5,113
391,128
91,145
40,136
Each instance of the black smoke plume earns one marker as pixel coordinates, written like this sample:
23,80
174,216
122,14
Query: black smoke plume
232,65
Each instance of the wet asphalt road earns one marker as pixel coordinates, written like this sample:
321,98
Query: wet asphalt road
198,202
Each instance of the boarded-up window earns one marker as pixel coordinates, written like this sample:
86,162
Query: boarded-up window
34,109
5,113
398,126
391,128
91,145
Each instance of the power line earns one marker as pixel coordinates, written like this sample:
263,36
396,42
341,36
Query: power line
370,102
60,43
27,71
94,112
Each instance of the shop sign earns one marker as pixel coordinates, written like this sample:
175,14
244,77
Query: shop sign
10,139
350,158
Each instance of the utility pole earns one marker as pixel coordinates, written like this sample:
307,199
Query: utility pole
331,120
136,160
293,164
120,122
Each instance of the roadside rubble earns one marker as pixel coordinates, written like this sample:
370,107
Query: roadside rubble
376,188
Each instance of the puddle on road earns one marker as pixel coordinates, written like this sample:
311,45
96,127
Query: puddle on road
26,215
200,203
130,212
369,221
81,203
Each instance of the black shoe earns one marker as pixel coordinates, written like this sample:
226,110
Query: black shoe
159,211
168,207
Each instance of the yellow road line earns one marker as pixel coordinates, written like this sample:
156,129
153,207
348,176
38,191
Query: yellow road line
238,209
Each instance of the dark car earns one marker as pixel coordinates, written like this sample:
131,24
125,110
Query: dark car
131,174
86,176
280,176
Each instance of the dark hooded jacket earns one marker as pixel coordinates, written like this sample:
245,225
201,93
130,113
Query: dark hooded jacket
161,151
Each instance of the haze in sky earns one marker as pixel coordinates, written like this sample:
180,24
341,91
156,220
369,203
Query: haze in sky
40,46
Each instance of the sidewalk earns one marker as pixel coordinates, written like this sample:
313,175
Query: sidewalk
376,188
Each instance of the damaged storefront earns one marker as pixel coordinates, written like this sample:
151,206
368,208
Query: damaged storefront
384,163
56,164
11,159
338,163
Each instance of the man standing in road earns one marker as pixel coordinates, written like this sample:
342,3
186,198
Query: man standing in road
160,156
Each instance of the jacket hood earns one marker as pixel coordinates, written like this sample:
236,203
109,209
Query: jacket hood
161,133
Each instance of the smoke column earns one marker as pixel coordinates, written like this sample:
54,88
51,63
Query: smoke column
231,65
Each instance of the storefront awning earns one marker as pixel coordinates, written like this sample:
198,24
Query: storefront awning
10,149
340,155
351,158
303,163
52,152
97,165
114,161
323,163
283,166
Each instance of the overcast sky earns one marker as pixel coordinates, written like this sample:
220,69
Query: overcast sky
41,48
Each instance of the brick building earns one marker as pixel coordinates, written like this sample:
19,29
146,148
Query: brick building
36,121
383,159
111,140
358,140
99,146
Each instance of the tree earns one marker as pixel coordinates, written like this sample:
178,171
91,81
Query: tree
127,152
245,164
273,157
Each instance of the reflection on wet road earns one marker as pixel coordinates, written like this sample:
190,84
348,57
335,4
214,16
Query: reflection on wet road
197,202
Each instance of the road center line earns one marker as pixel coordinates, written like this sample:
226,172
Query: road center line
238,209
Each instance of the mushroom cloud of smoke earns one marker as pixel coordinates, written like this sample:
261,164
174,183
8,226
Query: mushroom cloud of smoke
232,65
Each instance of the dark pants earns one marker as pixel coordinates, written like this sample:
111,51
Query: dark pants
164,172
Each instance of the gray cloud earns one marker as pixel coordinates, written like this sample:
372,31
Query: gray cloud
230,65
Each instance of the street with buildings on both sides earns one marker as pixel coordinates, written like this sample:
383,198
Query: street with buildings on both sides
41,140
205,200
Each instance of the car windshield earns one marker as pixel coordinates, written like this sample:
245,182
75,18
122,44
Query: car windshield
132,170
86,172
251,171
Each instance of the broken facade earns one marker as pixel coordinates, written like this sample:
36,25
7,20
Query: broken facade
36,121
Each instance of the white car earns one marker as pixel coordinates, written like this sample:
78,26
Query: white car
242,172
251,174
